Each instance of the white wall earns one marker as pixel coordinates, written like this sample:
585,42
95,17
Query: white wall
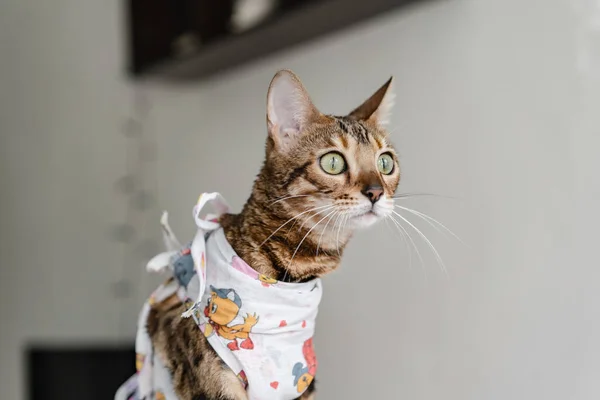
63,103
496,107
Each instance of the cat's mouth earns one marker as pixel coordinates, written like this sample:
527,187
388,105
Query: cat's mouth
366,219
368,215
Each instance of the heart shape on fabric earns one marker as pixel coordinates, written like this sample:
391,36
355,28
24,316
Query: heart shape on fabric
247,344
233,345
283,323
275,385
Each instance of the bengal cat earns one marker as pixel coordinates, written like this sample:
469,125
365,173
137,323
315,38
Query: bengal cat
323,176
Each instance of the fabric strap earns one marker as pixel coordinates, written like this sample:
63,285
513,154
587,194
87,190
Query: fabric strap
198,249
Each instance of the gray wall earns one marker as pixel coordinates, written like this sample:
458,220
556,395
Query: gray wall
495,108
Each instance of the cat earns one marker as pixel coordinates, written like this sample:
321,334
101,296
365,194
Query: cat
327,176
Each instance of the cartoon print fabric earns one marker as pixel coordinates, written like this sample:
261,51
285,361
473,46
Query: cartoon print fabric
222,308
304,373
260,327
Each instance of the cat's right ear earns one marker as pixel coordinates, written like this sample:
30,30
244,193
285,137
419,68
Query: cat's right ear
289,109
378,107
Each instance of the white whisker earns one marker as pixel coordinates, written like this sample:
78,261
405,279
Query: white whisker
346,221
403,237
403,196
305,236
305,220
290,220
337,240
440,261
309,217
399,225
430,220
323,231
288,197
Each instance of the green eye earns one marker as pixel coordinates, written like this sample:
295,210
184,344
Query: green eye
333,163
385,164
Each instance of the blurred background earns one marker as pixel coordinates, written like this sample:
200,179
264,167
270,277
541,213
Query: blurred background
112,111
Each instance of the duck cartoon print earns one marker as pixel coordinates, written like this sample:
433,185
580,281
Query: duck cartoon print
304,374
223,307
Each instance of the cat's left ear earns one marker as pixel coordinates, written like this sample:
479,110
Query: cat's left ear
289,109
378,108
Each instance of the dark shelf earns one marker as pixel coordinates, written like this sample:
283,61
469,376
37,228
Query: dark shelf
279,32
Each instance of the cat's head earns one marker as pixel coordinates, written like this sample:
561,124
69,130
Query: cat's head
343,169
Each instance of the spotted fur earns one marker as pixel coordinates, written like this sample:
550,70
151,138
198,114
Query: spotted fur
297,221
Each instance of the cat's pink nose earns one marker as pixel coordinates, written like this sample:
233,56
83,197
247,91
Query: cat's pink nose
373,193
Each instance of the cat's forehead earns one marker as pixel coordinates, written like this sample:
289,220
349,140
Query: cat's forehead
347,132
354,129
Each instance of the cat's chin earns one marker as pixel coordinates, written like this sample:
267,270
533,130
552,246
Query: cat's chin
365,220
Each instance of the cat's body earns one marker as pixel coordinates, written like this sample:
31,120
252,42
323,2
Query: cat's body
323,177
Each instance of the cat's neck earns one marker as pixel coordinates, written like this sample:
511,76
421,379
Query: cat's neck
286,252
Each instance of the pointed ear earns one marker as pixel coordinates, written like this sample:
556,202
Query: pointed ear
289,109
378,107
